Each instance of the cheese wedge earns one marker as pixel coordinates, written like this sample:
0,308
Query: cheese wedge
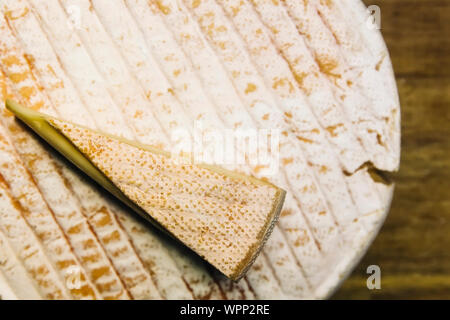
225,217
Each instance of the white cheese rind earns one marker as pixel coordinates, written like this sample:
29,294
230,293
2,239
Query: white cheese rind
143,46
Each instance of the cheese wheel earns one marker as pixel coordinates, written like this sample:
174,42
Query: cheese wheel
313,75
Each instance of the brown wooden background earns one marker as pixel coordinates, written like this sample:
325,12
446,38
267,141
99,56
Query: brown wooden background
413,247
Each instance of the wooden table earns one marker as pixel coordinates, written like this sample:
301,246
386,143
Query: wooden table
413,247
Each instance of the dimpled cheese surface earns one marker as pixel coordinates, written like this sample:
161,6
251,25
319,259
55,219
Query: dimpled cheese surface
316,72
222,218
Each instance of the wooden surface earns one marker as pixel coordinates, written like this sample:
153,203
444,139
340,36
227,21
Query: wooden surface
413,247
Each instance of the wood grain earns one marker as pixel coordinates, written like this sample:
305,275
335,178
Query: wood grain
413,247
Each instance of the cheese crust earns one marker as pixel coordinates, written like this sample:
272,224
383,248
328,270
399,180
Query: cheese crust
141,70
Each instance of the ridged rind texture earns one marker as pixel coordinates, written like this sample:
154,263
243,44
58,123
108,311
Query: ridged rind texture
312,70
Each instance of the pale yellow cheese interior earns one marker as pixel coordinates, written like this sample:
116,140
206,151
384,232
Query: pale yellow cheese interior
222,216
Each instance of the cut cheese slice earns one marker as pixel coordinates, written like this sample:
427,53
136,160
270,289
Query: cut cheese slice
223,216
